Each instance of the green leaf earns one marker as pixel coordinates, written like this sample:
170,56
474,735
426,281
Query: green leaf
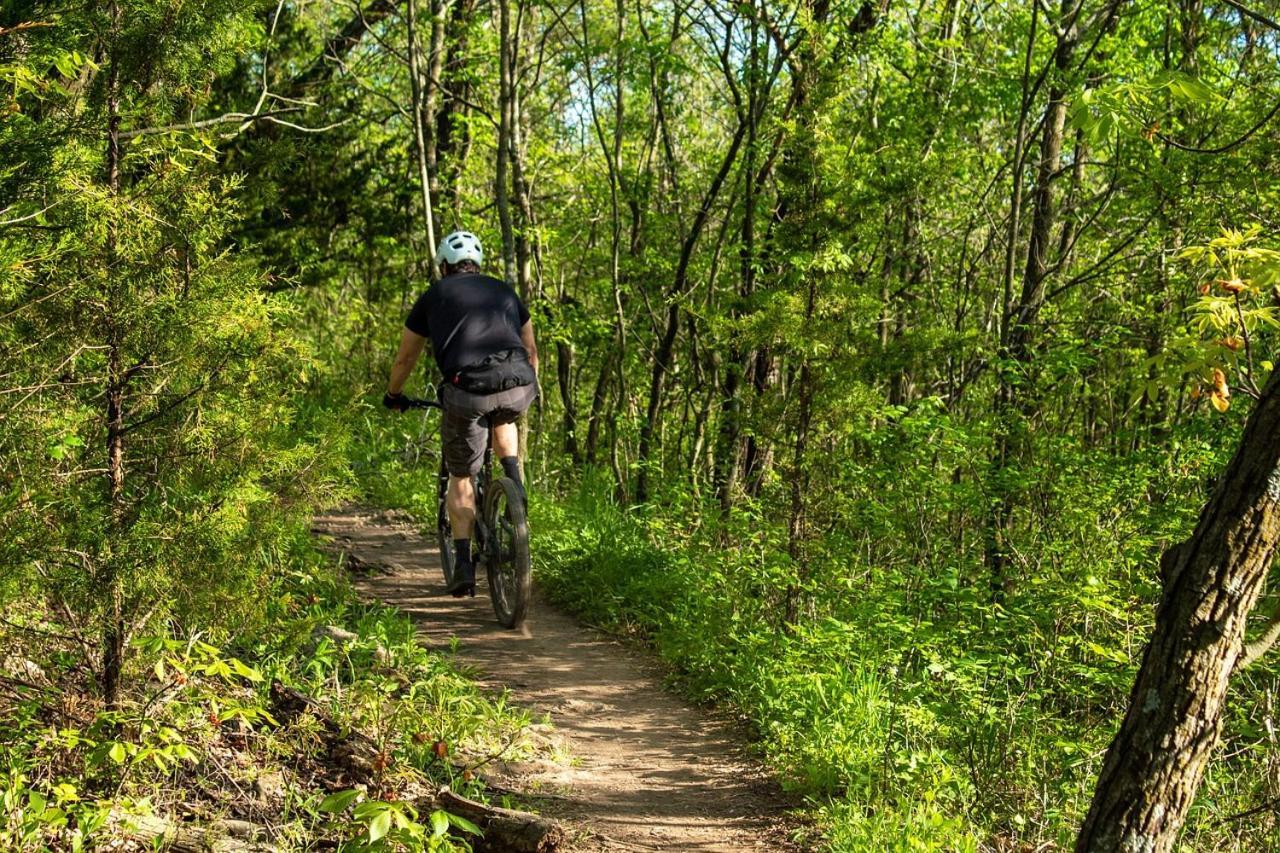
464,824
338,802
246,671
117,753
1190,88
380,826
439,823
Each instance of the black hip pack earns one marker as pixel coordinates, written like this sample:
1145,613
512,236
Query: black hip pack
498,372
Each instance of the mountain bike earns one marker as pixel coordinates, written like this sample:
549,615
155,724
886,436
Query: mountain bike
501,536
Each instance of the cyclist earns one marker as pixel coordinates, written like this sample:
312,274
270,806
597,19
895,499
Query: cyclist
482,340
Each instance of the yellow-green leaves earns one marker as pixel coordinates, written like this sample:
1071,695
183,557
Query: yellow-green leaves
1235,291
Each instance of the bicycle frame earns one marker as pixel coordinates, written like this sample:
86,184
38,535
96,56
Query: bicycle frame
501,533
481,483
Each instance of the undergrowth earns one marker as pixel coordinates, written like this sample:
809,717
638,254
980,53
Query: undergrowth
911,711
198,737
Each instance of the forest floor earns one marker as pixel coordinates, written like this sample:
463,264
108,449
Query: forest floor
640,769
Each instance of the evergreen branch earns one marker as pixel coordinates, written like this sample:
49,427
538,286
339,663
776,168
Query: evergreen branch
29,216
34,301
225,118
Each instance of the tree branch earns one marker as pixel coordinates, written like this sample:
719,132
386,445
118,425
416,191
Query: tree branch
1255,651
1223,149
1249,13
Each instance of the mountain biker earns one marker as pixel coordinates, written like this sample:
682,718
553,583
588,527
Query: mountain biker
482,340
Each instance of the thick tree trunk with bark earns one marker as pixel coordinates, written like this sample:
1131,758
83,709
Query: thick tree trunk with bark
1211,583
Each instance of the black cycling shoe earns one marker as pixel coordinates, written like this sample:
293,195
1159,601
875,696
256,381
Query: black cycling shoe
464,582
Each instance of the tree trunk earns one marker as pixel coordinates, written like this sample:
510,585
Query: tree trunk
727,456
419,131
666,346
109,580
1011,402
453,133
597,404
758,454
525,247
431,98
222,836
502,180
568,390
505,830
799,476
564,375
1211,583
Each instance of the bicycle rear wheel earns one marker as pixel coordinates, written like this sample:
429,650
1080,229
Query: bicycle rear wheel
508,566
444,530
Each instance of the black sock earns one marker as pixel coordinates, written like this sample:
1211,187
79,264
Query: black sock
464,574
511,467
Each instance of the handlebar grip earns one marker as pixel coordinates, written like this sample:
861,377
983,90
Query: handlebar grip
411,403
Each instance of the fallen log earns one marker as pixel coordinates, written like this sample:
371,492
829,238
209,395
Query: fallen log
348,748
505,830
223,836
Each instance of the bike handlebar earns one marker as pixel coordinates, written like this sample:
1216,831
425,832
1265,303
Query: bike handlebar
411,403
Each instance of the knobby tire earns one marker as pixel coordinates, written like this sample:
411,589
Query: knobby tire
507,563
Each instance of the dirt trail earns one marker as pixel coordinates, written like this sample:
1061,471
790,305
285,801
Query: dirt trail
649,772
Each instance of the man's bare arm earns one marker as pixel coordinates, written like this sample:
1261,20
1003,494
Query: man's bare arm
530,345
411,346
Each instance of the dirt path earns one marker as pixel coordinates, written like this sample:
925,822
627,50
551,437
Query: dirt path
649,772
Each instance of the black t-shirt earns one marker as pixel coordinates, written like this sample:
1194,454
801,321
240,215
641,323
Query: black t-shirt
468,317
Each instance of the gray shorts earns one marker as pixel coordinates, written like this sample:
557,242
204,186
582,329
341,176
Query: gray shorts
467,418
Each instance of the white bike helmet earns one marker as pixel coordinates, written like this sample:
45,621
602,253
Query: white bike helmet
458,247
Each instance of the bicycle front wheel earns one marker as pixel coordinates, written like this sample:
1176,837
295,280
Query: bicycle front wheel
509,571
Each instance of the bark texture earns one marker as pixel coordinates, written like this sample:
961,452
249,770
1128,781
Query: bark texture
1211,583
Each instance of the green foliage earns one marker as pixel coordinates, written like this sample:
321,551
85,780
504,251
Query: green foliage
843,443
200,726
905,706
153,456
393,826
